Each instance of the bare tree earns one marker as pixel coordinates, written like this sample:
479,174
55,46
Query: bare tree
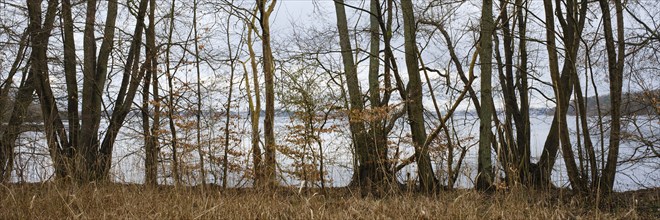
485,175
269,73
615,63
413,100
151,145
366,164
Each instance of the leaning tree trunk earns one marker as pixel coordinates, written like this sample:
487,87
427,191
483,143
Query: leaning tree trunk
23,99
133,74
414,102
18,113
56,137
367,168
562,88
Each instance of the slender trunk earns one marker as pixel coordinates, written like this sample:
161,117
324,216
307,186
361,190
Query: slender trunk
374,61
21,101
588,145
70,74
485,176
232,66
225,161
94,76
56,137
615,59
151,144
149,175
523,90
131,80
517,149
199,97
562,95
268,65
386,28
591,152
255,108
366,164
414,101
170,101
377,125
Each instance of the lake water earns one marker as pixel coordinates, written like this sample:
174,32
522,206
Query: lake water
641,169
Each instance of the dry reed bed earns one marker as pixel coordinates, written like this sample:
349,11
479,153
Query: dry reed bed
113,201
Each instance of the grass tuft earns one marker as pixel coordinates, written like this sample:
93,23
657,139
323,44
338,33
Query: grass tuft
116,201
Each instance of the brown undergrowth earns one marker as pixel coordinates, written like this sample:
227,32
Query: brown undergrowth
116,201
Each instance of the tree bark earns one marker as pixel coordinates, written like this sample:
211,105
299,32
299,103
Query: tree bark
615,61
19,108
56,137
170,101
485,176
70,74
151,77
133,74
367,167
255,108
94,77
562,87
198,114
428,182
268,66
23,98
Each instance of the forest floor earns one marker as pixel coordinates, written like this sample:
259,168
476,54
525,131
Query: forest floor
116,201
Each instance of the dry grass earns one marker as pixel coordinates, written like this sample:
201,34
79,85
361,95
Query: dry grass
113,201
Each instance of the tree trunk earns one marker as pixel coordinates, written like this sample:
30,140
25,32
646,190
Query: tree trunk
367,165
377,131
523,90
151,143
615,59
269,120
198,114
94,77
149,162
562,87
23,99
232,66
19,108
71,75
414,101
516,152
485,176
170,101
131,79
255,108
54,128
